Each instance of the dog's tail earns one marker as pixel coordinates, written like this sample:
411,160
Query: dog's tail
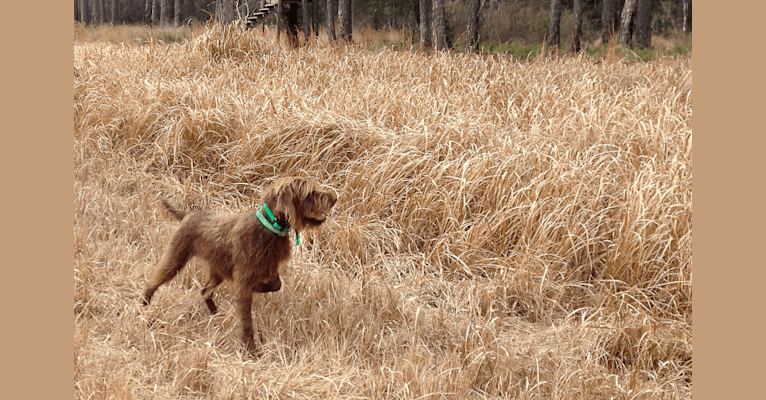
174,212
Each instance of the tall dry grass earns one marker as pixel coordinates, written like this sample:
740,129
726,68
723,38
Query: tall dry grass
503,230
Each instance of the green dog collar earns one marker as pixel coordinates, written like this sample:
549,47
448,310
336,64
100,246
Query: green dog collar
271,224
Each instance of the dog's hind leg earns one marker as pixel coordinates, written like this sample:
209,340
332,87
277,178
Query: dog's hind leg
178,253
207,291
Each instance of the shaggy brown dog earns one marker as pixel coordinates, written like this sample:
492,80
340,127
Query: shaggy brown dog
246,248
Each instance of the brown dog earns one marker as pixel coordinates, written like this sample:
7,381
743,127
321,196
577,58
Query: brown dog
246,248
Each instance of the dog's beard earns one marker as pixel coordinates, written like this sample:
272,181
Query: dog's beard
314,222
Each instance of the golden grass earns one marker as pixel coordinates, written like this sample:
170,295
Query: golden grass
135,34
503,230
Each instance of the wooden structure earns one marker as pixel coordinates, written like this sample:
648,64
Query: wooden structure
252,13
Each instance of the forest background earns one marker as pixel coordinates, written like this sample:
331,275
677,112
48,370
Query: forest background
519,27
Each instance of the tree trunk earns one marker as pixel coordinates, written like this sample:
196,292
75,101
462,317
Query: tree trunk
554,29
414,21
224,11
290,16
644,24
472,39
177,13
94,11
608,20
148,12
425,24
163,13
440,28
97,17
577,29
345,19
114,5
686,13
315,19
626,22
155,12
332,12
84,11
306,20
279,18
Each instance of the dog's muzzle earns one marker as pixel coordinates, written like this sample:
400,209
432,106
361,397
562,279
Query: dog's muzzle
272,285
314,222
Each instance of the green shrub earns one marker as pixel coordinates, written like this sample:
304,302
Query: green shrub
512,48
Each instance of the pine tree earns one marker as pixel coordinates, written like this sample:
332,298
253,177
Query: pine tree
224,11
627,22
155,12
425,24
164,13
440,28
84,11
554,29
345,19
472,41
332,12
577,29
644,23
306,20
148,12
114,4
686,14
177,13
608,19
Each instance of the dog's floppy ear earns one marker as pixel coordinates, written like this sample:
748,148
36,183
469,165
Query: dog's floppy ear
290,193
319,199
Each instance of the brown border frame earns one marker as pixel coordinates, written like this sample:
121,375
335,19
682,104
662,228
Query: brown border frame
37,118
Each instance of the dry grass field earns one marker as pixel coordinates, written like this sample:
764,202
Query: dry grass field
504,229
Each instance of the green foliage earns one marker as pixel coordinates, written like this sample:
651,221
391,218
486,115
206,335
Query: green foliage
639,54
681,47
171,35
543,27
514,48
651,53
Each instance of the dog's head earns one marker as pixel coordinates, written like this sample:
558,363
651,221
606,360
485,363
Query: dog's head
302,202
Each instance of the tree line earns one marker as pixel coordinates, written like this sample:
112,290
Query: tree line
431,23
150,12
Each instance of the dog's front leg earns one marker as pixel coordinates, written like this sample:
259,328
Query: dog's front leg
244,307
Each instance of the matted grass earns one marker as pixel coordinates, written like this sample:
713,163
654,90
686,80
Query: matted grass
503,229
